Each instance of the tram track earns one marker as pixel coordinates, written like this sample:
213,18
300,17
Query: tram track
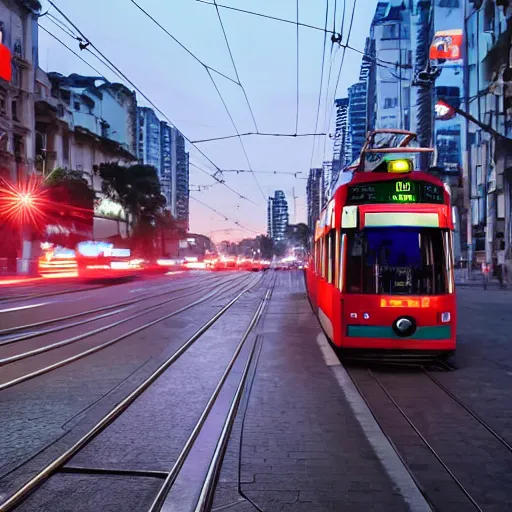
53,293
117,309
60,464
229,286
450,419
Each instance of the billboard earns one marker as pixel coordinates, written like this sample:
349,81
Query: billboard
446,48
5,60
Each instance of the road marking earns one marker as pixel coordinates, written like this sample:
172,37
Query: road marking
390,460
19,308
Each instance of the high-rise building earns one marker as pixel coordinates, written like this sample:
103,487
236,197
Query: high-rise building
313,196
327,181
149,138
277,216
342,152
182,179
168,165
488,98
389,87
357,117
174,173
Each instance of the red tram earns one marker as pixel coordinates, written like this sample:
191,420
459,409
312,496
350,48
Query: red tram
381,274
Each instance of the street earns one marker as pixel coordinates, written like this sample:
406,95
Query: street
199,391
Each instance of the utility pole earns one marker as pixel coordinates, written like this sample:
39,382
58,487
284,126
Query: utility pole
424,77
294,197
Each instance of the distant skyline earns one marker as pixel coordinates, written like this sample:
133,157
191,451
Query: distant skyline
265,55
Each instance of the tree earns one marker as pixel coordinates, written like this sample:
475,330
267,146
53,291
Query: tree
69,204
137,188
297,235
70,187
266,246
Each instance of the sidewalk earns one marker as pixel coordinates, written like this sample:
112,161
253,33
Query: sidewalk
305,440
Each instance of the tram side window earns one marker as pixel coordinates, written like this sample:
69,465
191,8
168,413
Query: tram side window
331,255
318,266
323,257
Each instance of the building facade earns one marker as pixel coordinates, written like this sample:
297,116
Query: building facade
389,103
82,122
150,151
314,189
342,150
182,198
357,117
18,33
488,153
277,216
167,172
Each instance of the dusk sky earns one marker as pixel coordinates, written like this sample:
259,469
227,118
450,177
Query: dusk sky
265,55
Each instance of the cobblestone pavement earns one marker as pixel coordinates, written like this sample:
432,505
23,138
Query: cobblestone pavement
302,448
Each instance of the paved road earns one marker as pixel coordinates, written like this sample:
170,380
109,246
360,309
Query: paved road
301,438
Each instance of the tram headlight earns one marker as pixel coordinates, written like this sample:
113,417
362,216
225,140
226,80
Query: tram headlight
399,166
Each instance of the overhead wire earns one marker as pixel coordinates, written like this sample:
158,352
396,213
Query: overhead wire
321,82
192,54
341,64
225,217
234,66
119,73
298,69
226,107
238,171
306,25
293,135
71,50
209,70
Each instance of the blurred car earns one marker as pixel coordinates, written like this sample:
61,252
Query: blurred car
101,260
223,263
57,261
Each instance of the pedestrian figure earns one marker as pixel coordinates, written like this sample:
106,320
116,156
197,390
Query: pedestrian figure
485,273
501,267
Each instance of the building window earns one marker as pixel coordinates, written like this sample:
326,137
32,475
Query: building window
453,4
390,32
390,102
2,101
16,75
18,49
14,107
76,104
19,148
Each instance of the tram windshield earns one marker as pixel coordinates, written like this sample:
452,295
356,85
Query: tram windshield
398,261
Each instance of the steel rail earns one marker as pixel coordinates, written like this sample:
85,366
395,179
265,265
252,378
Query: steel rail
8,300
176,468
469,411
22,493
10,330
205,500
427,444
88,334
124,306
97,348
388,437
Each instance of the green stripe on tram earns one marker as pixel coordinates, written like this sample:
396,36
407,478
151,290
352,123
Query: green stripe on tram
435,332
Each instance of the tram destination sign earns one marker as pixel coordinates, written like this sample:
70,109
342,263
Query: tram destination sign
402,191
